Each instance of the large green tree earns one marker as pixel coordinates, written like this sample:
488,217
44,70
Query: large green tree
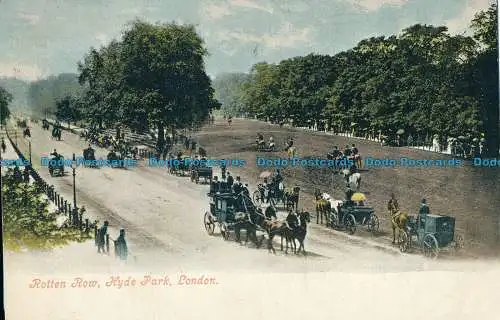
153,78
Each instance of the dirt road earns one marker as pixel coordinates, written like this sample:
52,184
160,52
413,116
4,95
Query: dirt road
162,215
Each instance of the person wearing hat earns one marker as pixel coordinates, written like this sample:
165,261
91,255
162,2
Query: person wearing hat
348,195
4,146
229,181
101,237
121,249
423,212
237,186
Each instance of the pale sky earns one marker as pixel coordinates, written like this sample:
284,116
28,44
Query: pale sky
43,37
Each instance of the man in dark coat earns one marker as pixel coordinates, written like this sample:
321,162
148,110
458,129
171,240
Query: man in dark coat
101,237
237,186
291,220
229,181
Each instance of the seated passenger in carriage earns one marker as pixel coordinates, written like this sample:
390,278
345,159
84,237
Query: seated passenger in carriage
423,212
56,155
348,195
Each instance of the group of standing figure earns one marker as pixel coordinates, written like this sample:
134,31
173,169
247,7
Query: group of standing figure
120,244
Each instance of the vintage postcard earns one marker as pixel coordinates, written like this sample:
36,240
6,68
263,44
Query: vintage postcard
260,159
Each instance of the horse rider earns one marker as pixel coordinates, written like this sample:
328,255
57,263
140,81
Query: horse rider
289,143
292,222
4,146
55,154
271,143
260,138
354,150
392,205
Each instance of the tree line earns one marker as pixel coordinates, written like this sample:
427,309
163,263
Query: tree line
423,81
153,78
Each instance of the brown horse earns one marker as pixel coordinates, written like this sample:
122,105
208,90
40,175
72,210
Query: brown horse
399,222
323,207
291,198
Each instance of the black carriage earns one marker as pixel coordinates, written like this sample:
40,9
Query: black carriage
45,124
201,171
56,169
182,169
430,233
116,159
222,213
351,214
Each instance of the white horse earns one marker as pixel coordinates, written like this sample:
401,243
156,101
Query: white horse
334,205
352,179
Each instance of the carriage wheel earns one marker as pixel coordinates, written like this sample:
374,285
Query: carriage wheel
404,241
257,197
224,231
373,224
430,247
350,224
209,224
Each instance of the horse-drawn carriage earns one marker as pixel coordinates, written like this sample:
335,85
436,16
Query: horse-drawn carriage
183,168
45,124
116,158
201,170
89,155
348,214
431,233
289,197
352,213
232,213
56,169
56,133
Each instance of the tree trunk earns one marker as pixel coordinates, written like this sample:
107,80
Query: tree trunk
160,142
